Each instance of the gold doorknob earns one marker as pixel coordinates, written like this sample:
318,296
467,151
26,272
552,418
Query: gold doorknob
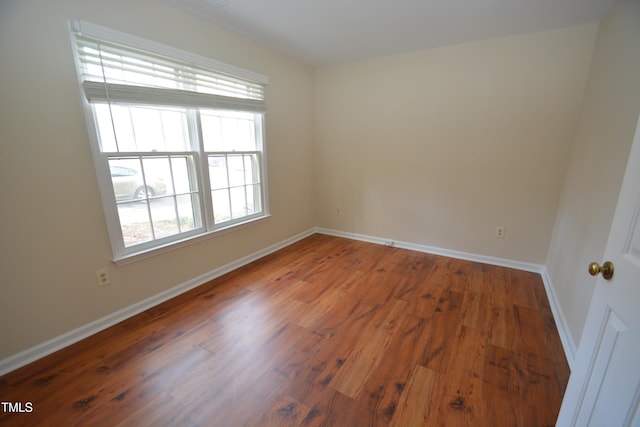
606,269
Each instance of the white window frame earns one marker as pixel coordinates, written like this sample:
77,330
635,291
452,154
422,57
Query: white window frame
122,254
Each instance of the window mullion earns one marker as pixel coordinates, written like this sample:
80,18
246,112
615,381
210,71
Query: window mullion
226,163
173,191
261,173
146,197
244,181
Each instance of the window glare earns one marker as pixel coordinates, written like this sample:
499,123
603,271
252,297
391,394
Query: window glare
228,130
142,128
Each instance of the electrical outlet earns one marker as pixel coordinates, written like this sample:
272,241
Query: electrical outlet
103,277
500,232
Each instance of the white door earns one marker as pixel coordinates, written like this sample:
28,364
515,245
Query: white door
604,387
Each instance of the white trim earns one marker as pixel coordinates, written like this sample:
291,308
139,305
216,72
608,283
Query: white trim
46,348
157,250
568,344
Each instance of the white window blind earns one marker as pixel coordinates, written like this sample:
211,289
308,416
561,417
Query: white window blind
114,73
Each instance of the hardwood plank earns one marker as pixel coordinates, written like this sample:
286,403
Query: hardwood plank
443,329
416,403
503,409
521,289
417,268
327,331
532,333
450,273
368,351
493,281
540,382
158,411
385,387
314,369
505,370
459,392
333,408
476,310
351,312
503,330
286,412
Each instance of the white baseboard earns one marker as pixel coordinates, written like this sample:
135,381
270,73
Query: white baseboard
563,329
561,322
48,347
502,262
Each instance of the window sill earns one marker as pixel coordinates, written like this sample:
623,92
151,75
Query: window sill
148,253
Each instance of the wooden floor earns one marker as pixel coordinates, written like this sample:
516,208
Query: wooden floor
327,332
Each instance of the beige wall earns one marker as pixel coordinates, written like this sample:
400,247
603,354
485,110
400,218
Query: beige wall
441,146
598,158
52,228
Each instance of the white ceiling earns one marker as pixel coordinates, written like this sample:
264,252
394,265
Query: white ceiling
326,32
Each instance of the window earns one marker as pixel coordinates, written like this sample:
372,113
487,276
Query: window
177,139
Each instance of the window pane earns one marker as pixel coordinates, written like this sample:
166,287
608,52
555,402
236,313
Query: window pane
169,215
236,170
142,128
126,177
124,139
238,202
163,213
189,212
175,129
157,174
211,131
218,172
251,172
147,128
254,202
183,181
135,223
221,207
228,130
105,128
133,180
